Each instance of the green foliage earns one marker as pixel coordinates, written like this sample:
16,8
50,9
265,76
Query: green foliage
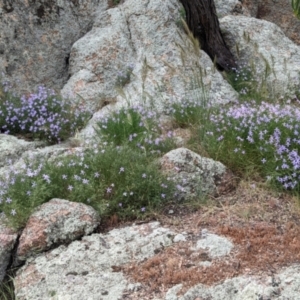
7,289
241,80
113,180
256,139
123,124
296,8
135,126
187,114
181,19
121,175
248,84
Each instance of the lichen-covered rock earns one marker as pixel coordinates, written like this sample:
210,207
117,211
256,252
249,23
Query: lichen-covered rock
11,148
276,59
284,285
17,154
196,175
226,7
90,267
279,12
252,7
55,222
36,38
140,39
7,242
217,245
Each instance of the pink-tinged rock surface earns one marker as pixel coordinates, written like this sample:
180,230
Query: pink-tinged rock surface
141,36
7,241
56,222
87,269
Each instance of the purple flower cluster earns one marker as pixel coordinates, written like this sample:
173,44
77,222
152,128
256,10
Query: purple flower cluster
43,115
269,130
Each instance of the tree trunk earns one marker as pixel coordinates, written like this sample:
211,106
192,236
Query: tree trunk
203,22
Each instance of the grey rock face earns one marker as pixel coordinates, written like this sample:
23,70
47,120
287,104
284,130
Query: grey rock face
217,245
55,222
164,61
193,173
16,153
36,37
11,148
284,285
225,7
7,241
264,45
279,12
87,267
92,267
252,7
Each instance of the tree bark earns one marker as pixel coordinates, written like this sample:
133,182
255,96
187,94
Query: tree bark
203,22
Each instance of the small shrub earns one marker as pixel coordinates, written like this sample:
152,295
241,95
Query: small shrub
251,138
113,180
246,83
42,115
188,113
241,80
123,77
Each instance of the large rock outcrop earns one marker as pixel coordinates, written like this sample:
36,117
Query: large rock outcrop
279,12
228,7
36,37
276,59
89,268
94,267
139,45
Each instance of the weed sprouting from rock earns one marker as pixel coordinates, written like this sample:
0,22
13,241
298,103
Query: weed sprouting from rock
123,77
